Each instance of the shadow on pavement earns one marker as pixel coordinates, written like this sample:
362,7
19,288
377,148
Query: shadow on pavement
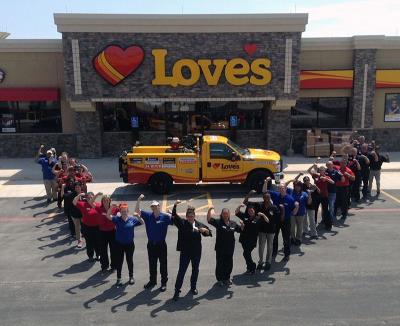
113,293
81,267
143,298
189,301
94,281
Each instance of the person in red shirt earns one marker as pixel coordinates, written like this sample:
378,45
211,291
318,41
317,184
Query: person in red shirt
90,224
106,233
342,188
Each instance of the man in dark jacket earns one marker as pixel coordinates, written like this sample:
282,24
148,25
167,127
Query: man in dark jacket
189,245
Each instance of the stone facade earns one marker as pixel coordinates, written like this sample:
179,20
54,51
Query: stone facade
361,59
181,45
26,145
89,134
278,130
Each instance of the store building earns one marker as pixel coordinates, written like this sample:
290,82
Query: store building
113,79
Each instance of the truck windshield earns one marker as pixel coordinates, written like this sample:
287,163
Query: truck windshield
237,148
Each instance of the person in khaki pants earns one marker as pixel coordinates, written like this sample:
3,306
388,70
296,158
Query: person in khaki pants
376,160
47,161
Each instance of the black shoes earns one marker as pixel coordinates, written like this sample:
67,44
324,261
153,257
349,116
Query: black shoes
176,295
150,285
131,280
194,291
91,260
250,272
285,259
118,284
163,288
260,266
314,237
267,266
227,283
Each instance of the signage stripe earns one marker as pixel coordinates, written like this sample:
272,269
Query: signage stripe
108,68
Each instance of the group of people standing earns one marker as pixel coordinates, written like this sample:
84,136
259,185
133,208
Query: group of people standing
290,211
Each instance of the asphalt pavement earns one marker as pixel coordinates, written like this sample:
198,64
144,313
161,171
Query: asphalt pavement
350,276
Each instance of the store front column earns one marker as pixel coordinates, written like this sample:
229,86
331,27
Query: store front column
88,129
364,87
278,125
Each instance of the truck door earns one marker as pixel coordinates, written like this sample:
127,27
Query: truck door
221,163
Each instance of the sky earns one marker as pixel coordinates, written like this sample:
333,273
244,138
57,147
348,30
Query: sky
34,18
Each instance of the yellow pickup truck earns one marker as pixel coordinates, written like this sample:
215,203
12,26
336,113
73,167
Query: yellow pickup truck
210,159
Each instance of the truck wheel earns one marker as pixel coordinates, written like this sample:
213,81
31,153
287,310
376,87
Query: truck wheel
256,180
161,183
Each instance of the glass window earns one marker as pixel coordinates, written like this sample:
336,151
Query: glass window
250,115
30,117
218,150
324,112
118,116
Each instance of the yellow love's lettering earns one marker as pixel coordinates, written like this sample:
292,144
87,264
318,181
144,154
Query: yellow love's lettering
212,79
159,69
178,77
260,68
234,69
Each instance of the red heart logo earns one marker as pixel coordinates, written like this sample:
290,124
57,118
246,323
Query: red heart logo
114,63
216,165
250,48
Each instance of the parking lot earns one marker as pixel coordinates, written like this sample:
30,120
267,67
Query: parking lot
350,276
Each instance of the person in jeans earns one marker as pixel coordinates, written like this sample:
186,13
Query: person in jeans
309,226
156,228
106,235
281,198
49,178
376,161
267,230
224,244
250,225
321,180
190,232
124,236
336,176
302,198
342,186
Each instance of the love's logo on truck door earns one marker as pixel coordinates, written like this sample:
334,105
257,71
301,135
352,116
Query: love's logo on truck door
115,64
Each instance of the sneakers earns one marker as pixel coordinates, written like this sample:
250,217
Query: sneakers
176,295
150,285
131,281
194,291
118,284
79,245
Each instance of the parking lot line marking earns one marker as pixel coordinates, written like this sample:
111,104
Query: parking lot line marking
390,196
205,195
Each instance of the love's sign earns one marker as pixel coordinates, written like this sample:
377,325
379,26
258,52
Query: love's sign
115,64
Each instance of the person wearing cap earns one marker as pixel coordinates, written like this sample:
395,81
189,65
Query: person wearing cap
90,223
124,238
224,244
49,178
250,225
267,230
156,228
189,245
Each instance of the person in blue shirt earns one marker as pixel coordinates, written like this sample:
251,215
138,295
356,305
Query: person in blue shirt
124,235
281,199
156,228
301,197
47,161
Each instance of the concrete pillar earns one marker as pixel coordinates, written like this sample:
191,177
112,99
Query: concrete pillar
88,130
364,88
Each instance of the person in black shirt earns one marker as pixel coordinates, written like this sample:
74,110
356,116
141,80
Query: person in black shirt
224,244
73,211
376,161
189,245
66,189
354,165
248,237
266,230
364,164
